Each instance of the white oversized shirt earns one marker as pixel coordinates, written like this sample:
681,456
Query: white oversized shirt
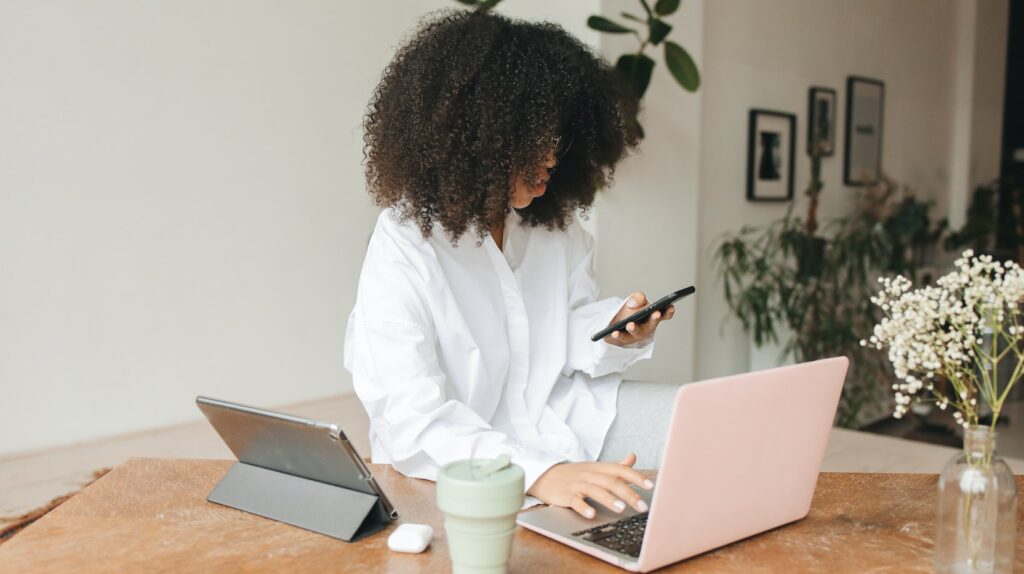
474,351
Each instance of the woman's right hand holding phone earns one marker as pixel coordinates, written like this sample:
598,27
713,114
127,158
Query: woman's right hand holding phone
607,483
633,332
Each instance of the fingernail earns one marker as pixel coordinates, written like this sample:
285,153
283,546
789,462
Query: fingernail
619,505
631,303
648,484
589,512
641,506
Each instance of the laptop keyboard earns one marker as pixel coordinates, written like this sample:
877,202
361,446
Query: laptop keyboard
623,535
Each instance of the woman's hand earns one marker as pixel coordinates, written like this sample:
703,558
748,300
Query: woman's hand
634,332
605,482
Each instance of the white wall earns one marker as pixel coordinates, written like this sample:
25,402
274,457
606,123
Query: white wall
182,205
767,55
647,221
979,68
989,90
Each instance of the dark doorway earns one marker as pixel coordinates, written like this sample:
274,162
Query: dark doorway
1009,238
1012,166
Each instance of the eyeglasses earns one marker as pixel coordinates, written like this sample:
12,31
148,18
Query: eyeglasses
561,145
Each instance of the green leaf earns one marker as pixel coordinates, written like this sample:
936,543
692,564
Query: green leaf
629,16
683,69
647,8
666,7
602,24
636,69
659,29
467,2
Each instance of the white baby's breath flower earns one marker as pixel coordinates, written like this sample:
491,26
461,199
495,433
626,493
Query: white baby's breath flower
942,329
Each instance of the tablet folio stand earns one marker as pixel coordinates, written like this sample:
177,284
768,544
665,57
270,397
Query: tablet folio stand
325,508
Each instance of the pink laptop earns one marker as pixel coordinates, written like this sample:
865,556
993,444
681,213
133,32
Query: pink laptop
742,456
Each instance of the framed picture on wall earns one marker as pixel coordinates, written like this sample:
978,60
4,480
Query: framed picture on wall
865,104
770,156
821,121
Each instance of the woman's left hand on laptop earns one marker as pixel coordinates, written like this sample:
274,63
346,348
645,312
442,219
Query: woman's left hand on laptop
606,483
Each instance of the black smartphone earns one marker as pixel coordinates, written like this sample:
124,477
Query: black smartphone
640,316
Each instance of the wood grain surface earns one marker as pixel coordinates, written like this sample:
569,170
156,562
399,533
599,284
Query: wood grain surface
152,515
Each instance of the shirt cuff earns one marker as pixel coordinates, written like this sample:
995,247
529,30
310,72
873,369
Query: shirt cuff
534,463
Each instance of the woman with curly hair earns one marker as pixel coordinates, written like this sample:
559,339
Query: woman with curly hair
470,335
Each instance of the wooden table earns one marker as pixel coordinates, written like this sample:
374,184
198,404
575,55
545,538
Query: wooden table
152,515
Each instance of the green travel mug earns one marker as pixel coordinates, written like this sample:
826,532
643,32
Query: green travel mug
480,499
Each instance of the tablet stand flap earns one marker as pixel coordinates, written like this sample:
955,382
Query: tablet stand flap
310,504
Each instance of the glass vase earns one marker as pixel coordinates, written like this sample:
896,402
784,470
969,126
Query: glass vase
975,528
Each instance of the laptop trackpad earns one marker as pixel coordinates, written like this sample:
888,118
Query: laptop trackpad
565,521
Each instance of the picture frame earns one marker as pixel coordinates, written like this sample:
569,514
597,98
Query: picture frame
770,155
865,111
822,106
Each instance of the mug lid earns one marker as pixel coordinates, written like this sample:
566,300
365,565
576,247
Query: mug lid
481,488
483,471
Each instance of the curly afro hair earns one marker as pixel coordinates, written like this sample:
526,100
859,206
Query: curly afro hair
473,99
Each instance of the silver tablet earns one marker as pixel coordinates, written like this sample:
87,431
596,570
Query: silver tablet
292,445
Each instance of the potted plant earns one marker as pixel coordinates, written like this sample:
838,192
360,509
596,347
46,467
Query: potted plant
807,285
995,221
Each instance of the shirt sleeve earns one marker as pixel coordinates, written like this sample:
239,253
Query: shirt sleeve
391,351
588,315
